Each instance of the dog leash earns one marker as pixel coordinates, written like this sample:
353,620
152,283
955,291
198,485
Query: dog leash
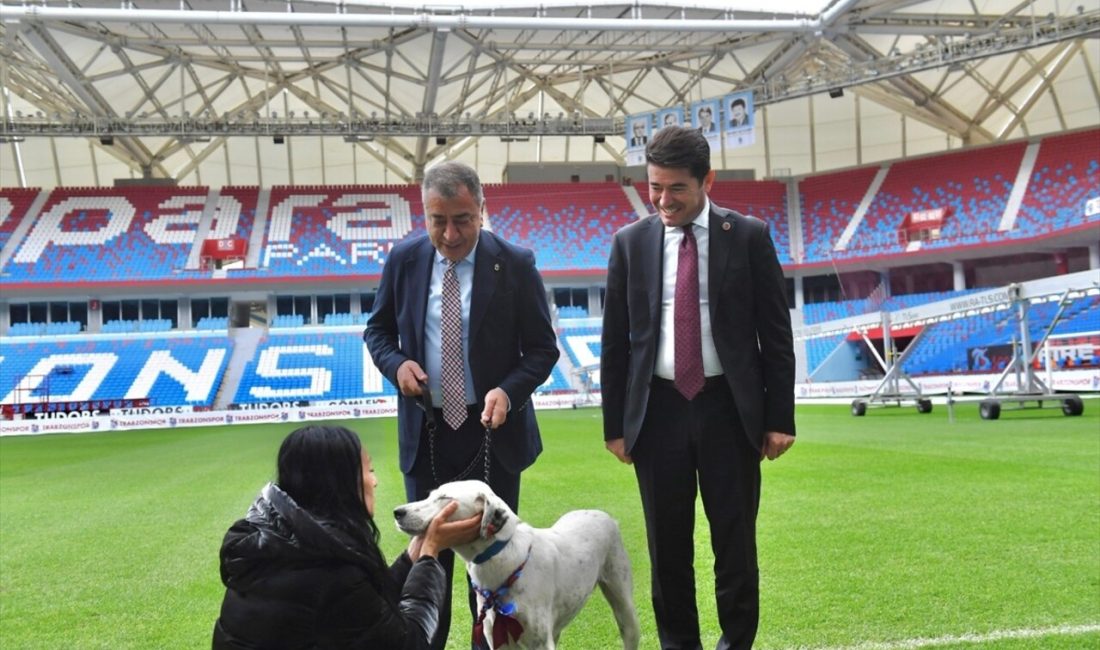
425,403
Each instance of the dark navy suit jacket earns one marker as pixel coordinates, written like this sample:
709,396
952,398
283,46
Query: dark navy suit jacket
512,341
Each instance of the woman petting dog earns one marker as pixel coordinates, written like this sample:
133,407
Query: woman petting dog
303,567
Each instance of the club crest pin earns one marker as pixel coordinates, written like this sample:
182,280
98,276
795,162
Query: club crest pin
496,267
725,225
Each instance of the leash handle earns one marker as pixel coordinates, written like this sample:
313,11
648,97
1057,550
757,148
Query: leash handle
425,403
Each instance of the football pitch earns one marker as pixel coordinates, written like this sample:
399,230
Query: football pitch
894,530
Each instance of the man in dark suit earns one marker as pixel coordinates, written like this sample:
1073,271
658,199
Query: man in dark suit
697,375
481,371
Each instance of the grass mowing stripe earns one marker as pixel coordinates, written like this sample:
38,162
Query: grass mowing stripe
970,639
891,526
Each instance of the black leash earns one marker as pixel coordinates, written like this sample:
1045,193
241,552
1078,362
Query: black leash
425,403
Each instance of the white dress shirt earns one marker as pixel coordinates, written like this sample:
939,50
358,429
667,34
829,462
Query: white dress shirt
666,356
432,340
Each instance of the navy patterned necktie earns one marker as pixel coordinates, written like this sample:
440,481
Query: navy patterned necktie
452,381
688,338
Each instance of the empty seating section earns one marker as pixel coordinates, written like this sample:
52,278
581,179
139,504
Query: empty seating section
338,230
818,350
212,323
568,225
346,319
44,329
765,200
98,233
822,312
166,371
311,366
234,198
14,203
147,325
947,347
1066,175
581,340
556,382
572,311
829,201
974,185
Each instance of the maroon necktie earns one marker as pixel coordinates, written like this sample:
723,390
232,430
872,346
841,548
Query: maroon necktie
688,343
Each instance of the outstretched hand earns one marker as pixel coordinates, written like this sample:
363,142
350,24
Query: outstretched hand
443,534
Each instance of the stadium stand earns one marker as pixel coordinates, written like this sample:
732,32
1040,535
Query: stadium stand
109,233
568,225
165,370
829,201
336,230
946,346
14,203
974,185
311,364
834,310
1066,175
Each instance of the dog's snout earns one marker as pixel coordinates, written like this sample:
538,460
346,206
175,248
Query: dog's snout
398,513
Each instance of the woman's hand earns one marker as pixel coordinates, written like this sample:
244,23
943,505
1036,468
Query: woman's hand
443,534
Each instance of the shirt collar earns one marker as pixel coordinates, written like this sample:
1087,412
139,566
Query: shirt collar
701,220
469,259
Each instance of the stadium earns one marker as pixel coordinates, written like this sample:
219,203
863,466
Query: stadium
197,200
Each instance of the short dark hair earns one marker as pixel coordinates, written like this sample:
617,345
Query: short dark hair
679,147
446,177
738,102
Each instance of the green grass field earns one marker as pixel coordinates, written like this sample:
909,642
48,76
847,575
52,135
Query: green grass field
873,531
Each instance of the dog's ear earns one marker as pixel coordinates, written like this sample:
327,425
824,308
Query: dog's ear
493,516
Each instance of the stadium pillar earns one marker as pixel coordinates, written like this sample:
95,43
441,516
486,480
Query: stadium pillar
1094,256
799,295
959,275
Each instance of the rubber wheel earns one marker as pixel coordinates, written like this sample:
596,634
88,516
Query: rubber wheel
989,410
924,405
1073,405
859,408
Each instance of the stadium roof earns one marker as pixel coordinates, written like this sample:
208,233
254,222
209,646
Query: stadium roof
199,80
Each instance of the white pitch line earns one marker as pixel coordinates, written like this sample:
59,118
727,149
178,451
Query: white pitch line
987,637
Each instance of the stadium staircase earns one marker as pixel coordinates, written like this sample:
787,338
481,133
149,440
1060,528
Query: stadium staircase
202,232
245,342
636,201
255,244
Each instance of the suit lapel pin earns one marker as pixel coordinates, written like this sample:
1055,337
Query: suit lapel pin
726,225
496,267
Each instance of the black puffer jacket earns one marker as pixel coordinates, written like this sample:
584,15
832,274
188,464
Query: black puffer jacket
295,582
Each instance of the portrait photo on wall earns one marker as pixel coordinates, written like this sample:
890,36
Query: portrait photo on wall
637,132
739,111
704,117
670,117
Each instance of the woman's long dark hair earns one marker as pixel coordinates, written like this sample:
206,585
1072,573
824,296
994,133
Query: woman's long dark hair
321,468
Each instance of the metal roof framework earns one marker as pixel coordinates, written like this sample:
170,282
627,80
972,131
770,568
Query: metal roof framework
168,83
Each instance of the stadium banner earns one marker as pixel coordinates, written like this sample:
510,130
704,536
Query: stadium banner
1092,206
638,130
704,119
989,357
738,121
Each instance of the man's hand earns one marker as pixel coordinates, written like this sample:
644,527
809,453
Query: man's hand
618,447
496,408
409,377
775,443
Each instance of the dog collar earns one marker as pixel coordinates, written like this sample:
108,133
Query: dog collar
490,553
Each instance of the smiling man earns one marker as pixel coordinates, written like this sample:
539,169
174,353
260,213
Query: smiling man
697,375
464,313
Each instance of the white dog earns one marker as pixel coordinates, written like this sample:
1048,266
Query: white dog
536,578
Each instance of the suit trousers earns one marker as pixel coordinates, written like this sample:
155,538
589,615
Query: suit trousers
455,451
695,447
